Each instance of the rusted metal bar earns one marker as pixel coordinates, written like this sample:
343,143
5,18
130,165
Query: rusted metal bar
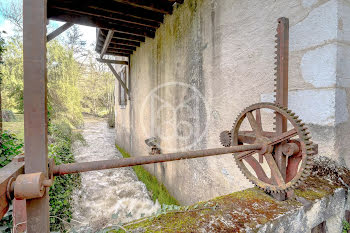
117,163
35,107
58,31
19,216
282,91
11,170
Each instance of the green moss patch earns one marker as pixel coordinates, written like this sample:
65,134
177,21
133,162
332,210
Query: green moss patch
158,190
230,213
236,212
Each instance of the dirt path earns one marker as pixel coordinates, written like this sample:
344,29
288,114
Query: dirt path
111,196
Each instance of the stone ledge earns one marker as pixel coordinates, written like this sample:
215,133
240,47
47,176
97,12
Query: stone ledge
322,197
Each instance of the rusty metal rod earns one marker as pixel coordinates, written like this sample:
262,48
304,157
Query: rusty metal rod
128,162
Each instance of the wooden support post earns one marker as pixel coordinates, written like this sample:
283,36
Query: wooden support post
35,107
118,77
58,31
107,41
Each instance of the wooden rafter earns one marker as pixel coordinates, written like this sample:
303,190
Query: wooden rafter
112,61
110,16
102,23
106,43
121,47
58,31
123,36
120,42
157,6
109,6
131,20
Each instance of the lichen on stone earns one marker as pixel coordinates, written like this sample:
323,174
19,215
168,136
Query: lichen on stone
246,210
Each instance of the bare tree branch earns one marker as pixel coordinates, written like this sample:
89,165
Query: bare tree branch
12,11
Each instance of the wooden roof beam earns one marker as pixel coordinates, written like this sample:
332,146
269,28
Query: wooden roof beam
97,22
106,43
108,6
58,31
108,15
143,15
118,78
177,1
157,6
117,46
122,42
118,54
112,61
123,36
72,13
118,51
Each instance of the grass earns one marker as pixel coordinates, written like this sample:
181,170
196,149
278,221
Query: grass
16,127
158,190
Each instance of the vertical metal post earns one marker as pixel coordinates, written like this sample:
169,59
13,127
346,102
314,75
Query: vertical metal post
35,107
282,92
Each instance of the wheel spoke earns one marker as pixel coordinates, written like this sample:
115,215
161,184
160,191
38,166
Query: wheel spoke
275,172
245,154
254,124
259,171
258,119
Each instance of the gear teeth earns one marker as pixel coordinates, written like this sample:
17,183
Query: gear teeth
304,136
225,138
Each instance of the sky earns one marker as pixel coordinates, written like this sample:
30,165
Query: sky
89,33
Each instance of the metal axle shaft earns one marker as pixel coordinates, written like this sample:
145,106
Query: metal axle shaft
128,162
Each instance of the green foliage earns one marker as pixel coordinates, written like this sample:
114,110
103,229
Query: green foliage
8,115
62,137
10,146
2,44
63,93
64,98
12,71
158,190
346,226
6,222
16,127
97,87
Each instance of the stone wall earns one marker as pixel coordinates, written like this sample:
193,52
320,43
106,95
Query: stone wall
222,53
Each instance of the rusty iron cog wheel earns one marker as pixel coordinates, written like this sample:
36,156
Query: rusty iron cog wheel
225,138
299,163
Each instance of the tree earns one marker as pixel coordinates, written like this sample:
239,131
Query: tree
97,87
2,50
63,93
12,71
12,11
74,41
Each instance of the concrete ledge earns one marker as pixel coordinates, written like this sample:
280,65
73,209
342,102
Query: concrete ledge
322,199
